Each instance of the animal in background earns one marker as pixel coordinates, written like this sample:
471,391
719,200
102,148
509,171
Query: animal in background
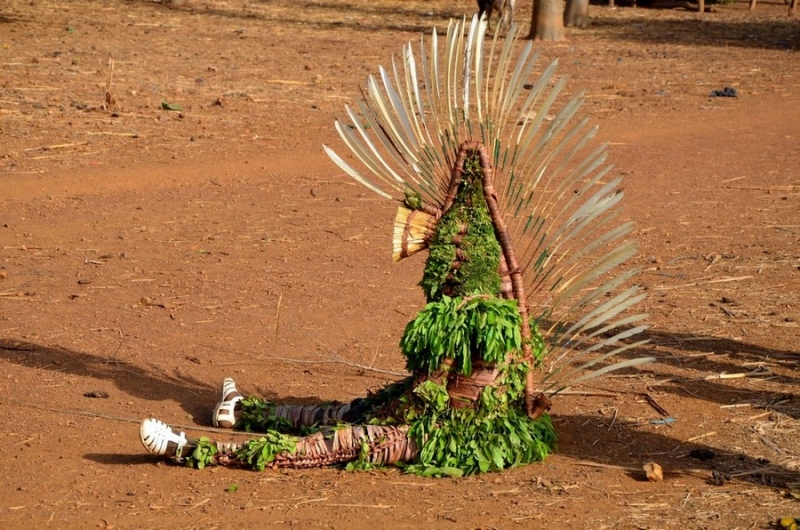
505,11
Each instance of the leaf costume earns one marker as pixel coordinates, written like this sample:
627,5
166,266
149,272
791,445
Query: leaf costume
526,284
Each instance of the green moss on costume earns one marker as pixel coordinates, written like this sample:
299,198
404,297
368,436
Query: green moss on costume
477,272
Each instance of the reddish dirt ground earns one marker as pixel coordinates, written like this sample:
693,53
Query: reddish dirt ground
145,254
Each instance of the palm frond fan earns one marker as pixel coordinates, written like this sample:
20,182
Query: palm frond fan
472,101
526,278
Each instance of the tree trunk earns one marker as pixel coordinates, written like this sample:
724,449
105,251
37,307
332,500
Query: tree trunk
752,4
547,21
701,6
792,7
576,14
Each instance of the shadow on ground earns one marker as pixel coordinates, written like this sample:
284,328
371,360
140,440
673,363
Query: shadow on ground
589,439
754,32
113,459
351,16
750,30
698,376
195,397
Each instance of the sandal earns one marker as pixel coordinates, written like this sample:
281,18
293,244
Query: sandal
159,438
224,411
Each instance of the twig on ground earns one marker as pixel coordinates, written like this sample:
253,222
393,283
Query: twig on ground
32,438
769,443
656,406
295,505
700,436
704,282
713,259
789,187
109,101
613,419
723,309
685,500
196,505
277,319
751,418
381,506
107,133
55,146
694,357
738,375
588,393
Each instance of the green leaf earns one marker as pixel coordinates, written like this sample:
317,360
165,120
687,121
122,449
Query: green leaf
451,472
165,105
483,463
452,447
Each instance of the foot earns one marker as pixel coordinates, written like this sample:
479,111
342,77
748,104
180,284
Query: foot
225,412
160,439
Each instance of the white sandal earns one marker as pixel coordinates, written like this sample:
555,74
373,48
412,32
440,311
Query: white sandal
159,438
224,411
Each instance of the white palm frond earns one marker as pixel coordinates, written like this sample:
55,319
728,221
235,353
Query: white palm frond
559,205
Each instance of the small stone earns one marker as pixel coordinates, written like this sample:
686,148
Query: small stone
653,472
